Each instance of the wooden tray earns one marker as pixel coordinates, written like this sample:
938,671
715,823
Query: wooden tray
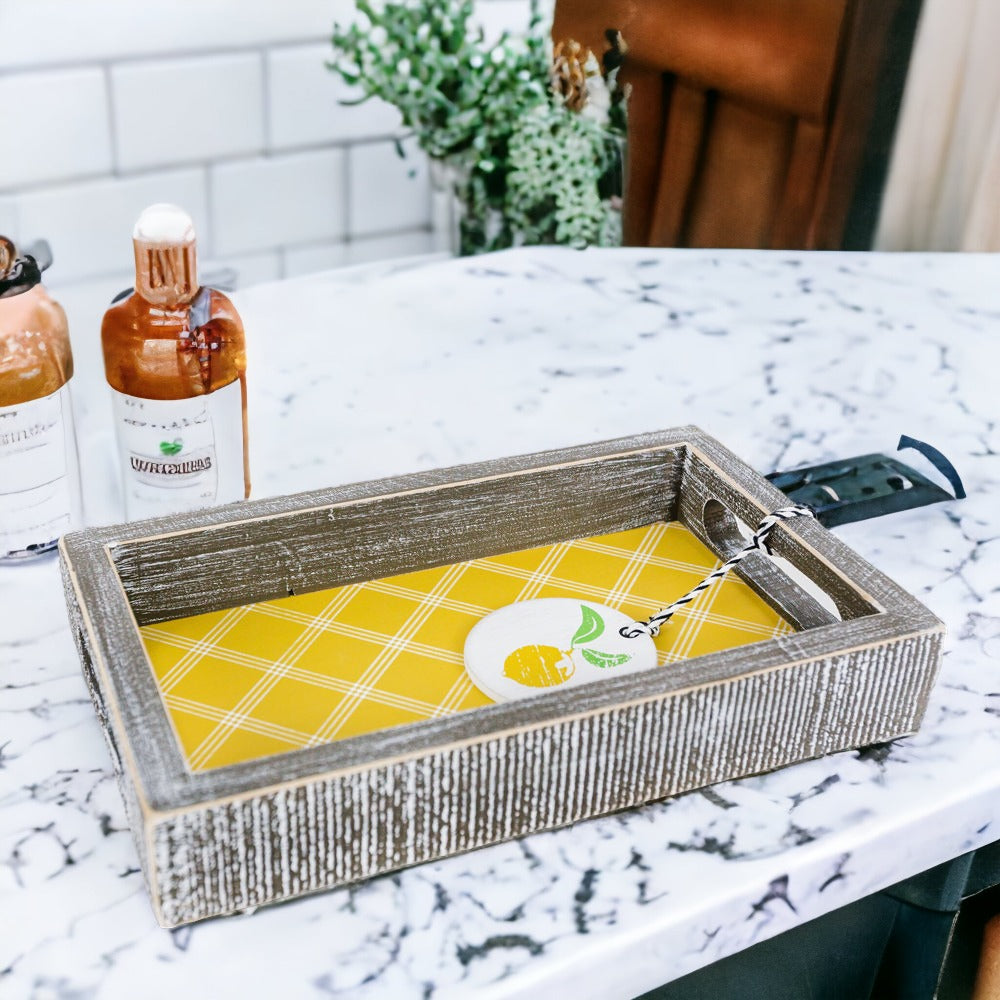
235,837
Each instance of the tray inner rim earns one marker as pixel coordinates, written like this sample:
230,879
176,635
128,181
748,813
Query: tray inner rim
825,640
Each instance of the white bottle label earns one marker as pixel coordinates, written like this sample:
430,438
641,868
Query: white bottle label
180,454
38,498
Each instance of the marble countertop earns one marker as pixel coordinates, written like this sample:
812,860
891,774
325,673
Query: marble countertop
787,359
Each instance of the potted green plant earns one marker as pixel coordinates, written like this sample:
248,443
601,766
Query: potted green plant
531,139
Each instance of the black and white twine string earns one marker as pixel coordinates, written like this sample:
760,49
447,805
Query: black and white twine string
651,626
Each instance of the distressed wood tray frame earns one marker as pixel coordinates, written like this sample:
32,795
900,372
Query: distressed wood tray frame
233,838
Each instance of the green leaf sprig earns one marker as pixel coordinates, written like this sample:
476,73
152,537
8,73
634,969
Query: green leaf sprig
528,169
591,628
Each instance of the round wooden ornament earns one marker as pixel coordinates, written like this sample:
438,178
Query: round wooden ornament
531,647
521,649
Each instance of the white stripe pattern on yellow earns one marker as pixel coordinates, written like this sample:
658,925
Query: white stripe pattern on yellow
413,671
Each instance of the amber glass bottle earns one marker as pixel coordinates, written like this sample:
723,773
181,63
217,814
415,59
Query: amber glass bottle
39,476
175,358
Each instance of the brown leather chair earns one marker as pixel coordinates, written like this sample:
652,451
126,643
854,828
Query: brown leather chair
749,120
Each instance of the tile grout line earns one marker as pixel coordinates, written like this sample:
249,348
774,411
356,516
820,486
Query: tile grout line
208,239
225,159
346,194
109,109
168,55
265,100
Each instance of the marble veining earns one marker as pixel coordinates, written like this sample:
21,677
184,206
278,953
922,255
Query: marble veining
788,359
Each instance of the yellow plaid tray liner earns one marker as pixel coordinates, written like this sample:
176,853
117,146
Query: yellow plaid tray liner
267,678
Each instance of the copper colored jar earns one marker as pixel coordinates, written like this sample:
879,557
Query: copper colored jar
39,474
175,358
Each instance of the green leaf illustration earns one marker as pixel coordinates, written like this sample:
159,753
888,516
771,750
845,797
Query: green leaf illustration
171,447
590,628
604,660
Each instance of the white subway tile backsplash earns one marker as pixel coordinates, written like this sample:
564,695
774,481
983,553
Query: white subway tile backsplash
387,191
298,198
305,102
40,32
498,16
54,126
319,257
225,107
386,247
8,218
183,110
241,270
89,225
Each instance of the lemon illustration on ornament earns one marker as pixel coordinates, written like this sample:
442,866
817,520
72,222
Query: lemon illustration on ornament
548,666
540,666
547,644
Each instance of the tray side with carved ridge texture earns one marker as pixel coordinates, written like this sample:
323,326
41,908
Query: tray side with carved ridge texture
232,837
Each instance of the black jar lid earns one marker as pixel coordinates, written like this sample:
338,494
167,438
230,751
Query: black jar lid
21,272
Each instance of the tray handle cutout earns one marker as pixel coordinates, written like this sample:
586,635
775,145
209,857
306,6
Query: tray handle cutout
785,587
